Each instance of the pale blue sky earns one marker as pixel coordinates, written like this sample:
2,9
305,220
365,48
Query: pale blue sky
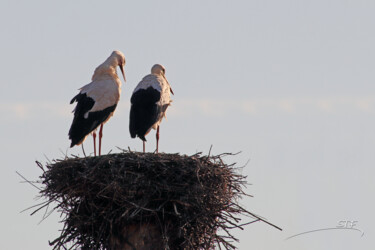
288,83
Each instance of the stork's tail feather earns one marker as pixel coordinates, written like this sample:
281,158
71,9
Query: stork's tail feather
134,133
75,142
76,139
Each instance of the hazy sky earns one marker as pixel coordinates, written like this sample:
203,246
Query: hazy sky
288,83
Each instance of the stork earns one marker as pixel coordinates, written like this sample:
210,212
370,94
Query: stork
97,101
149,102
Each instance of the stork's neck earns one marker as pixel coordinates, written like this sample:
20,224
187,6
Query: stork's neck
160,75
106,69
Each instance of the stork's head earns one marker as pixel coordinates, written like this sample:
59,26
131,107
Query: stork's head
119,60
159,69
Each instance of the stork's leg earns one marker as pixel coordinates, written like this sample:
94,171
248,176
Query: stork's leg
157,140
100,138
94,138
144,147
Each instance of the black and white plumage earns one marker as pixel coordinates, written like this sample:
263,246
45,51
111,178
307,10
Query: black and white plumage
149,103
97,101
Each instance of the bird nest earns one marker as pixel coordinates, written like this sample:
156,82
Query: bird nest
185,202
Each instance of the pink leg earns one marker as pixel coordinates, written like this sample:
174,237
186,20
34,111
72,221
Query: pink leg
94,137
100,139
157,140
144,147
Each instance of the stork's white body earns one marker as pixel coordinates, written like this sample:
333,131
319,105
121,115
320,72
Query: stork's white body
105,92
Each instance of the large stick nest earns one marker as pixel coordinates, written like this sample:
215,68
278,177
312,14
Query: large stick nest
190,200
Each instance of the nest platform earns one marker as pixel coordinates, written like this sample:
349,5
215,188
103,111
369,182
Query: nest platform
144,201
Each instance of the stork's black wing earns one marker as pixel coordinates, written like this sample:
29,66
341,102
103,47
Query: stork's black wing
144,111
82,126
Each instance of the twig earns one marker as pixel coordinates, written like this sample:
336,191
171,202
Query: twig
32,184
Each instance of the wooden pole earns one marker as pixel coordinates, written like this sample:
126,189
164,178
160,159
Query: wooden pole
143,236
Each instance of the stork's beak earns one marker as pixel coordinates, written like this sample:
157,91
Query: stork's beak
170,88
122,71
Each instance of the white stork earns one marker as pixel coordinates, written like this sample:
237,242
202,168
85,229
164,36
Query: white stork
97,101
149,103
